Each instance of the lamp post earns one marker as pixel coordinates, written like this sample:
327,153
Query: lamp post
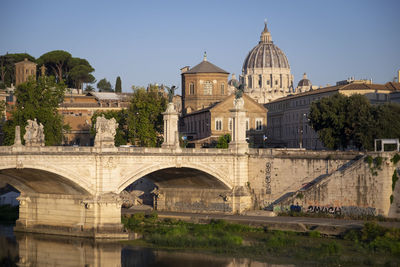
301,128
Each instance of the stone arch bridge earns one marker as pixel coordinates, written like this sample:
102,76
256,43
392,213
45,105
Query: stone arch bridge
77,188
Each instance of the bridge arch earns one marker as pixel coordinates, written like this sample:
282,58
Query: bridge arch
149,169
43,179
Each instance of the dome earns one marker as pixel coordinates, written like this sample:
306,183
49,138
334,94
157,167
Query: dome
304,81
266,54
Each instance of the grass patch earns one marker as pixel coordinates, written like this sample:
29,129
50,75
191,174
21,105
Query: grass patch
371,245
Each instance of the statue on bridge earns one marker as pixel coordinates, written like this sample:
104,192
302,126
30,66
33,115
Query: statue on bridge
105,132
34,133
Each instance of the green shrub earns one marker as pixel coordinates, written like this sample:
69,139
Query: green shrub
315,234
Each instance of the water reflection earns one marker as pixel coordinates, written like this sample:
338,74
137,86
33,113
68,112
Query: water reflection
47,250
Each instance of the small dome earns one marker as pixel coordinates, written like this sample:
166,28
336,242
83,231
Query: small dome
304,81
266,54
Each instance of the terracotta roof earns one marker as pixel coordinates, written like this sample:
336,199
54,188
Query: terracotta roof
350,86
105,95
206,67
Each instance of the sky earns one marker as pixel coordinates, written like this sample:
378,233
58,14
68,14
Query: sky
149,41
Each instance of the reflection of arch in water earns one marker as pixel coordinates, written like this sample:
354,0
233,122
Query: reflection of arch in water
47,180
168,175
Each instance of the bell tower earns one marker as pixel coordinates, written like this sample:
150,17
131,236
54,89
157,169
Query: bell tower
23,70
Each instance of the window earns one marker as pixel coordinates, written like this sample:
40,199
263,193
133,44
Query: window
218,124
259,125
208,86
247,124
222,89
230,124
191,89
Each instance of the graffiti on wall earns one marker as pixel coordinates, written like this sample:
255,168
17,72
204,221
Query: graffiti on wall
344,210
327,210
268,166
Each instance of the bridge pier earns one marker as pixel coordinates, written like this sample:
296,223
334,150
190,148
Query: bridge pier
96,217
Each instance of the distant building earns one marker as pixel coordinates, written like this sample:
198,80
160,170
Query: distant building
266,71
202,86
305,85
24,70
77,111
287,117
203,127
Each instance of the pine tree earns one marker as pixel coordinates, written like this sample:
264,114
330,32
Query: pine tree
118,88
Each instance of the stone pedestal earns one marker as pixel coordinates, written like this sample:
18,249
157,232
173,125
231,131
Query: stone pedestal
171,135
238,113
73,215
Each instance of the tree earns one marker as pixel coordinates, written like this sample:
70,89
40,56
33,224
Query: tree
104,86
56,63
223,141
145,119
121,135
89,88
7,66
2,109
118,87
79,71
37,99
346,122
327,117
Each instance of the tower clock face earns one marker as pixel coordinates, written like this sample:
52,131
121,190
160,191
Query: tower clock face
208,86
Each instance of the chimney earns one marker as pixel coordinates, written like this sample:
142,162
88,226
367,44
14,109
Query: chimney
185,69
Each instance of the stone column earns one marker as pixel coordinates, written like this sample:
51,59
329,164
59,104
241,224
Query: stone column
238,143
171,136
241,199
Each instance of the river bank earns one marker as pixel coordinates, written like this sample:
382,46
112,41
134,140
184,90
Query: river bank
372,244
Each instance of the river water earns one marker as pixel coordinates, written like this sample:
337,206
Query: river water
21,249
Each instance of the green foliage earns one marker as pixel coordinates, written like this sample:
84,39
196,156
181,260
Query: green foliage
394,179
72,71
118,86
56,63
223,141
7,66
343,122
374,164
37,99
145,119
89,88
376,238
315,234
121,135
104,86
395,159
79,72
2,109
